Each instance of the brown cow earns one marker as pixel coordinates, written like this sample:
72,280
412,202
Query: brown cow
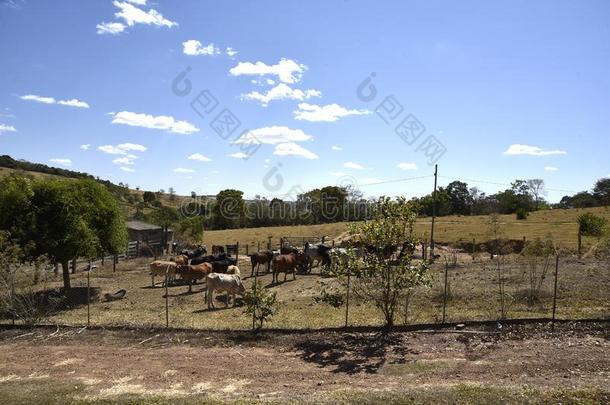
181,260
192,273
287,263
163,268
263,257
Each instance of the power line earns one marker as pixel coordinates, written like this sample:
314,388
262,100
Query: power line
395,180
502,184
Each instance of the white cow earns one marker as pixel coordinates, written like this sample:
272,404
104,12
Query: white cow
231,283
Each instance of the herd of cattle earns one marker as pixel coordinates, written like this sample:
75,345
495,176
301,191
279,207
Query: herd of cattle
221,273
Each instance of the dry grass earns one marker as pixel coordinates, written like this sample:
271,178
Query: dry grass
584,292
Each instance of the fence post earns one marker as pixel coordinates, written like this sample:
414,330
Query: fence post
237,253
269,243
445,292
259,246
474,247
166,299
89,295
247,249
347,298
103,259
555,288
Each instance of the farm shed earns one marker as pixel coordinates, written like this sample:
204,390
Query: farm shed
142,234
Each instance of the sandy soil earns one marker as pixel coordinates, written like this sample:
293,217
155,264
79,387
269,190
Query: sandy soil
238,365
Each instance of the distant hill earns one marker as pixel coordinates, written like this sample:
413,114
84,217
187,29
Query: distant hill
128,198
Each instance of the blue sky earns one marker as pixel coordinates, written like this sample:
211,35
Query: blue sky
507,89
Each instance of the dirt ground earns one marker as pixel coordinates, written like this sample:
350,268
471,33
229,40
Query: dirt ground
505,364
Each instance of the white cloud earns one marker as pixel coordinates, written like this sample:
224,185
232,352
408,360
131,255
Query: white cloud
231,52
7,128
125,161
199,157
122,149
193,47
51,100
132,146
238,155
111,28
518,149
273,135
293,149
127,169
326,113
138,2
183,170
353,165
281,92
551,168
61,161
133,15
407,166
165,122
38,99
335,147
86,146
74,103
286,70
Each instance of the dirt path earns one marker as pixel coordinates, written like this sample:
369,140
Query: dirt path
111,364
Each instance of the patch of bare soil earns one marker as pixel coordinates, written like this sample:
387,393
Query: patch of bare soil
231,365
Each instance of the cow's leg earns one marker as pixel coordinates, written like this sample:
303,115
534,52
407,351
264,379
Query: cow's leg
294,274
233,300
190,286
153,280
285,274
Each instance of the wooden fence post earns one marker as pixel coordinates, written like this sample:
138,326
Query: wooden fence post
166,299
269,243
347,297
555,287
445,292
247,248
237,252
259,246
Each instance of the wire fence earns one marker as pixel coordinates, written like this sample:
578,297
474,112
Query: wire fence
464,288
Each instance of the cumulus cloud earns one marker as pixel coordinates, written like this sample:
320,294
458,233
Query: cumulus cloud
61,161
183,170
7,128
281,92
231,52
273,135
86,146
550,168
199,157
518,149
128,160
111,28
238,155
127,169
122,148
193,47
163,122
335,147
51,100
353,165
407,166
326,113
293,149
133,15
286,70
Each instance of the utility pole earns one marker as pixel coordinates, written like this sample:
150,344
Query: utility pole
433,214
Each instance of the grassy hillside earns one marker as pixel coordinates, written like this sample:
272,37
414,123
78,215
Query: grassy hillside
560,224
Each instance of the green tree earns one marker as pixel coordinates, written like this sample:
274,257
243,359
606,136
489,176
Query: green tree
191,228
378,279
149,197
165,217
64,219
601,191
229,209
461,199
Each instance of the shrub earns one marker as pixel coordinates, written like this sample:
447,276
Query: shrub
521,214
260,304
591,225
